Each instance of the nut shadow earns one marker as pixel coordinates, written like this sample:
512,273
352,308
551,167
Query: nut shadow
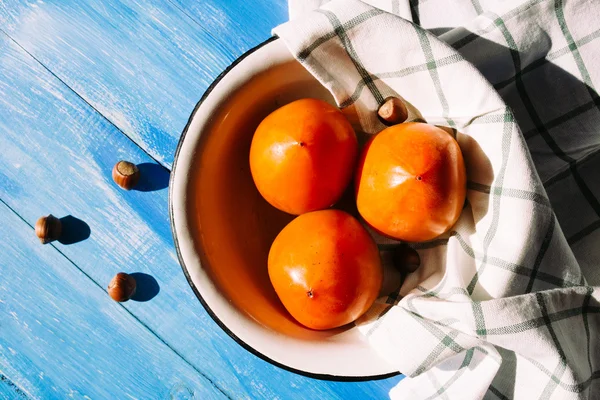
153,177
146,287
74,230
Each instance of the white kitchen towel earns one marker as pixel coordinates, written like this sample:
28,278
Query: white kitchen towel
507,304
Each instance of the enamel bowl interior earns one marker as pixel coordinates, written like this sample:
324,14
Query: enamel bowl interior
223,228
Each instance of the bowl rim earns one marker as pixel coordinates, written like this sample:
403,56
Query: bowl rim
246,346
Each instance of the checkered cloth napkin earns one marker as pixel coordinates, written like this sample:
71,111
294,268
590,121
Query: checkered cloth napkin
506,305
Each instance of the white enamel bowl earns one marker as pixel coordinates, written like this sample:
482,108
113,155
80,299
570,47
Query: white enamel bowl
223,228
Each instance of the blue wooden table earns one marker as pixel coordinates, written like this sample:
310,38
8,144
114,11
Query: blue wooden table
83,84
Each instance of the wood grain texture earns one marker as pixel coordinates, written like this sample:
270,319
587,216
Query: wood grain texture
241,24
61,338
57,156
9,391
142,64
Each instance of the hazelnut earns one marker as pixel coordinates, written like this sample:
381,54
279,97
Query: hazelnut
393,111
406,259
126,174
48,228
121,287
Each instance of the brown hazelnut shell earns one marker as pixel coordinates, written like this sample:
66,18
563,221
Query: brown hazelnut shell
126,174
122,287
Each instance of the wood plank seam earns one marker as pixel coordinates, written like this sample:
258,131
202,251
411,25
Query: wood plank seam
84,100
213,383
18,390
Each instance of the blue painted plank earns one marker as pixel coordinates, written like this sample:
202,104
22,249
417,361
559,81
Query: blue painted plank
243,24
142,64
57,156
9,390
61,337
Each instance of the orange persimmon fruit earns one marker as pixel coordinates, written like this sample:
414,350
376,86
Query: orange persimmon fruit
325,268
303,155
411,182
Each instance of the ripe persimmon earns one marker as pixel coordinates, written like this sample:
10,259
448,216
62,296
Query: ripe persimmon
325,268
303,155
411,182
